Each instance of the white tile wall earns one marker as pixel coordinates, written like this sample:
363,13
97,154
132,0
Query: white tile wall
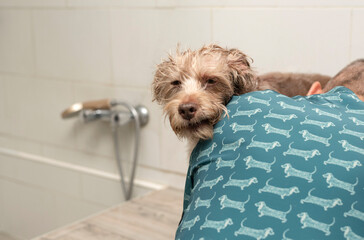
73,44
2,220
2,104
57,52
32,3
357,40
55,96
22,100
16,44
31,109
15,143
114,3
259,3
287,39
322,3
141,37
93,3
296,3
174,153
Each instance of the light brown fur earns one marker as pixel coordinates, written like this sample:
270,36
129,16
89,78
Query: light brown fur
290,84
207,78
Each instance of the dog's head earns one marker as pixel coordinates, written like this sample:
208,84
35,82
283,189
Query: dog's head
194,86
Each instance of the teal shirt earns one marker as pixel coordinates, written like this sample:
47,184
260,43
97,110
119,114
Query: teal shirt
279,168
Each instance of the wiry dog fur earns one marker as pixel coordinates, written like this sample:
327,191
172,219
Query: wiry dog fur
194,86
205,79
290,84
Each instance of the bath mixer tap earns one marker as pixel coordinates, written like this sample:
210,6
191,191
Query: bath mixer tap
76,108
105,109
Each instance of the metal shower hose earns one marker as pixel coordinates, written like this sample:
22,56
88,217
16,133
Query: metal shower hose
135,116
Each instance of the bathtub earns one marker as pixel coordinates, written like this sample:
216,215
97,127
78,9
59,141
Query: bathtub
39,194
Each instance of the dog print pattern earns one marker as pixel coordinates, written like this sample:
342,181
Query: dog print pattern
225,202
357,121
253,232
264,210
218,225
343,163
325,203
292,172
307,221
354,213
270,129
277,168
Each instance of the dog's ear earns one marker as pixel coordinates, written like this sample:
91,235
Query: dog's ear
157,86
242,76
164,71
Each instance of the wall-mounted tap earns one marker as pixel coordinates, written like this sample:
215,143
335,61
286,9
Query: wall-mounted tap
76,108
105,109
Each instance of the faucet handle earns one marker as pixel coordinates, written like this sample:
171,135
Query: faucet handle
75,109
97,104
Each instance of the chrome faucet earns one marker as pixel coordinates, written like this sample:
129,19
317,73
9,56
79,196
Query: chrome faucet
102,109
105,109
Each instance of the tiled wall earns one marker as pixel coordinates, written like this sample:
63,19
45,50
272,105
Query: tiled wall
57,52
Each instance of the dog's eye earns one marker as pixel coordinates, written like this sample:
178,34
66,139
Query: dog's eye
176,83
211,81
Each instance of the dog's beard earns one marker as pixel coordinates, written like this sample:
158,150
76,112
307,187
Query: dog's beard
201,126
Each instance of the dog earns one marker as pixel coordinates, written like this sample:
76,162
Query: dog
194,86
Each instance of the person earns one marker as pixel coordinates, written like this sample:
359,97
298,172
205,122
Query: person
352,77
282,168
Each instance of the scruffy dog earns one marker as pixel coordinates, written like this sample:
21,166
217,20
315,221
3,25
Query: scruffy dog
194,86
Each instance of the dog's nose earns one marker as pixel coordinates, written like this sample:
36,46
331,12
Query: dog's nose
187,110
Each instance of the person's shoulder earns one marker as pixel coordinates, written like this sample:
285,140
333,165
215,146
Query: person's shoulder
336,97
344,94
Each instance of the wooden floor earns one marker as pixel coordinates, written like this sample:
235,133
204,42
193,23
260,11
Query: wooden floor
4,236
153,217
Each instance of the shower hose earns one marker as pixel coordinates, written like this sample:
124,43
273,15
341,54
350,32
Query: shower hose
127,190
